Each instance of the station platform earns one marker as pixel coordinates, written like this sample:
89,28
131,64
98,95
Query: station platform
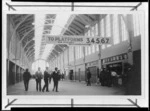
65,87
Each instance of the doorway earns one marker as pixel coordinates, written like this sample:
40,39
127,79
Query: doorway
93,71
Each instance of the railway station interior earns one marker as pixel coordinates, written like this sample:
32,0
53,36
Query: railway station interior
27,48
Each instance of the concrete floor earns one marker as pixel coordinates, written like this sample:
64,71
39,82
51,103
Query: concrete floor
65,87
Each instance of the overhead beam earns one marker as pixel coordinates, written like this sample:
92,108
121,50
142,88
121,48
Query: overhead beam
74,27
74,30
87,18
27,43
82,19
26,34
60,47
79,25
30,48
56,51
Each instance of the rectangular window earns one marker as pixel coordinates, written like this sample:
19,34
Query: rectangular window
81,54
115,29
96,34
108,28
89,47
86,50
93,34
136,24
77,52
124,31
102,31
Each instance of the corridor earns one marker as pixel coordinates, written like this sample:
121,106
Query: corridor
65,87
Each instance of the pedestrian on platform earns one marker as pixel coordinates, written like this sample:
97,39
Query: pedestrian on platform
130,83
38,77
46,80
88,77
109,78
56,78
50,76
26,78
62,76
102,74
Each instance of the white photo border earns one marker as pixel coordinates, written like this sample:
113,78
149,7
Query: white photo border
67,98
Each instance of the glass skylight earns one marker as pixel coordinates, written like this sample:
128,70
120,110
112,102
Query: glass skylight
58,26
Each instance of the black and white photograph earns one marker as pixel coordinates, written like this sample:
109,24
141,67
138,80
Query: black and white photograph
71,54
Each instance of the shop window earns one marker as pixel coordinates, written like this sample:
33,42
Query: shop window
108,28
116,29
136,24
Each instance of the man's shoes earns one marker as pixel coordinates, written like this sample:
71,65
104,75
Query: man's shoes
57,91
47,91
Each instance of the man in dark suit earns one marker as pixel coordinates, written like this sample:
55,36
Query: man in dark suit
46,80
26,78
88,77
56,78
102,74
38,77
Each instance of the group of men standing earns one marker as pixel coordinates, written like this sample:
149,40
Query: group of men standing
47,79
106,77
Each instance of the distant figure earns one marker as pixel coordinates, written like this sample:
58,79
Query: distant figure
38,77
59,75
56,78
46,80
131,86
63,76
71,75
108,78
50,76
26,78
102,74
88,77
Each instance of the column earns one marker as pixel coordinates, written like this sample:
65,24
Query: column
7,72
120,30
74,62
129,24
99,17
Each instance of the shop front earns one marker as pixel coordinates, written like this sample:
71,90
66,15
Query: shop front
93,67
116,63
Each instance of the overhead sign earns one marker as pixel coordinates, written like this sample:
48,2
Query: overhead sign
77,40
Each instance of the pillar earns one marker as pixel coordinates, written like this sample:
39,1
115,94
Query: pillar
8,72
74,62
129,24
99,17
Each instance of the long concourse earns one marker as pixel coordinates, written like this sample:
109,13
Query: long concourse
94,54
